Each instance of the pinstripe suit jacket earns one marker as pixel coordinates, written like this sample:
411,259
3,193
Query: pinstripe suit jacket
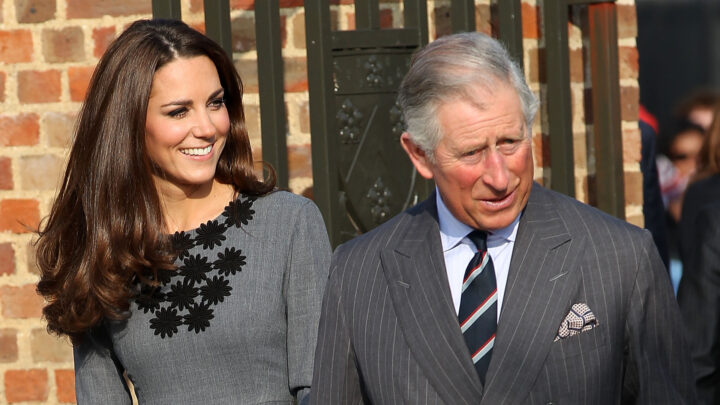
389,333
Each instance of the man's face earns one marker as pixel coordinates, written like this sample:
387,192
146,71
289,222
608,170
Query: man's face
483,164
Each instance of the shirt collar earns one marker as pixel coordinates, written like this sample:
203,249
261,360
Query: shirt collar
452,231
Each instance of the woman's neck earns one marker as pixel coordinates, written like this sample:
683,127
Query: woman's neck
185,208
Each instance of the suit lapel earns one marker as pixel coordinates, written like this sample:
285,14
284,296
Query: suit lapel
541,280
417,279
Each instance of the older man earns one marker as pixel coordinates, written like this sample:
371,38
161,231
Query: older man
494,290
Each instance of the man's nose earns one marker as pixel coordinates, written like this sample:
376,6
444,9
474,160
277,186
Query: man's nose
495,172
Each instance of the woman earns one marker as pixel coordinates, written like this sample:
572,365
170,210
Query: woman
164,258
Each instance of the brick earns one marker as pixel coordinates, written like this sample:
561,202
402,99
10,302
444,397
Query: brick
32,266
58,128
628,61
530,21
536,65
633,188
441,17
102,37
243,33
196,6
99,8
16,46
631,146
247,68
6,180
8,346
252,123
299,161
39,86
2,86
20,302
79,80
541,149
629,99
35,11
626,21
63,45
295,74
19,216
483,19
7,259
65,382
1,14
40,172
577,72
386,18
304,117
50,348
26,385
297,22
19,130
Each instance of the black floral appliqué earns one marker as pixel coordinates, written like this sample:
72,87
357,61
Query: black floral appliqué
166,322
182,243
195,267
210,234
239,212
198,317
215,290
229,262
190,298
149,299
182,295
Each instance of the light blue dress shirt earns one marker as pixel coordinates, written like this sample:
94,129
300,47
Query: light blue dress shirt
458,250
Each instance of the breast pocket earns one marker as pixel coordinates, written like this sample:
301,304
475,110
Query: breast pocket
583,342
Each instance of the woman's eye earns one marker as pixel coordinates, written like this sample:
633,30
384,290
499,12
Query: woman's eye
178,113
217,103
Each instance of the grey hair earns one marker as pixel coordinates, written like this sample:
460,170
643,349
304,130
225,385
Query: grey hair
448,69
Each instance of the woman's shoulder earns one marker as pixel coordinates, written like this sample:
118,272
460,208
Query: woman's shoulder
282,200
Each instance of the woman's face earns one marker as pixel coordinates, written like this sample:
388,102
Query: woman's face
187,123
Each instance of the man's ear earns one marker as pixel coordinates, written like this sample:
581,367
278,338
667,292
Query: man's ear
417,156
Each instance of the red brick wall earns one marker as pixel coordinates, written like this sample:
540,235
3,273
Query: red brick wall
48,49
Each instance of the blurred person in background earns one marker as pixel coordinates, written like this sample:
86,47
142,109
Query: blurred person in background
699,292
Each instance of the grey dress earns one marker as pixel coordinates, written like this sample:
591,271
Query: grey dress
236,323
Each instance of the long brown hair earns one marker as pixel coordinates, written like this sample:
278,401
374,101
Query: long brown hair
106,226
709,157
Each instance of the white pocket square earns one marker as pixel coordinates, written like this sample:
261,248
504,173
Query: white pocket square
579,319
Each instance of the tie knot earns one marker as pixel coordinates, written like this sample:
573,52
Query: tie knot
479,238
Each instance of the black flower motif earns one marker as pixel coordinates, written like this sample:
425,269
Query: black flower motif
149,299
239,212
215,290
210,234
166,322
164,276
198,317
229,262
182,295
181,244
195,267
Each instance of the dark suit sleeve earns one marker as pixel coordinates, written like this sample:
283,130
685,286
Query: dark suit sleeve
336,379
699,298
657,363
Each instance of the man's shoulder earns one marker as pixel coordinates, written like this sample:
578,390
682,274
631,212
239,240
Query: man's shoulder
386,235
579,216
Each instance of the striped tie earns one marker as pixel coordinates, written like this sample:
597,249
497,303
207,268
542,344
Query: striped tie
478,305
